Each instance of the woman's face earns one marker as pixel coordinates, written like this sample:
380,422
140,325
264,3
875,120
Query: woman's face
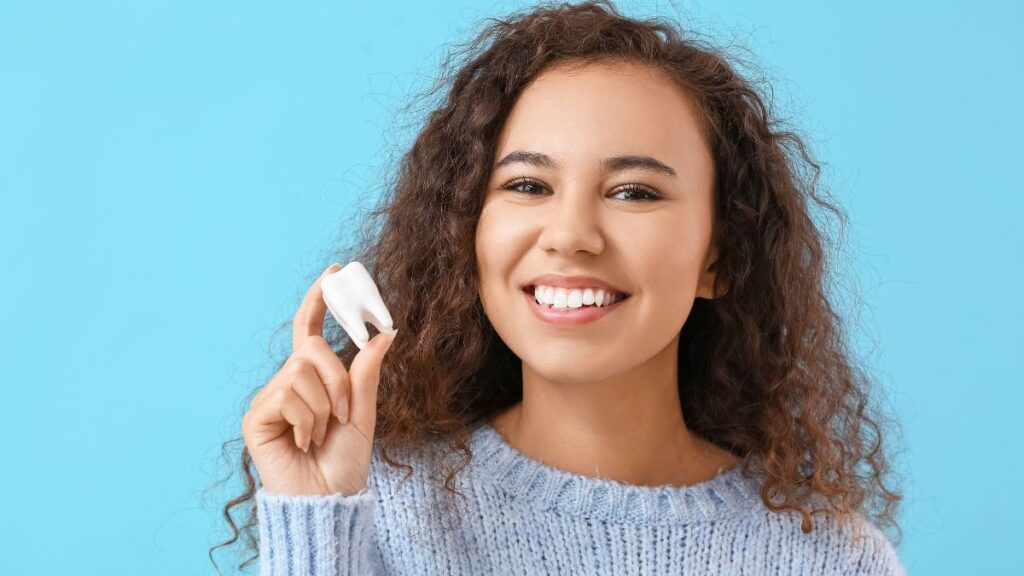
643,228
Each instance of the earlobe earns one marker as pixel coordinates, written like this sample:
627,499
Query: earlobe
723,288
707,281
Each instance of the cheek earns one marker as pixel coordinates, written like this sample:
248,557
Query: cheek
664,262
487,257
499,241
501,235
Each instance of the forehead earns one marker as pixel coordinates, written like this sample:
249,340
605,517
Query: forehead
604,109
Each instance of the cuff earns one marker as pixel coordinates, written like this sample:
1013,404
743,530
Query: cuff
314,535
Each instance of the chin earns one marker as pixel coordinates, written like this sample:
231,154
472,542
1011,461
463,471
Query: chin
564,366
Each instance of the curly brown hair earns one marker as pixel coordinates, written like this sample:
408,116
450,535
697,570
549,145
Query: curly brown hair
765,370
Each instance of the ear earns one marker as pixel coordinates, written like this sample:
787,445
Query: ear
706,283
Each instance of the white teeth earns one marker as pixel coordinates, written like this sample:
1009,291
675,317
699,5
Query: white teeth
561,298
588,296
575,298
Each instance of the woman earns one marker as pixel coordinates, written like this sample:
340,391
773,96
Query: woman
610,302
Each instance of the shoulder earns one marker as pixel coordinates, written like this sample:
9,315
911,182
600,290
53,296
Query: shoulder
873,552
850,546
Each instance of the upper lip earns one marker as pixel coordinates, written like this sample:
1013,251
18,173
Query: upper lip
560,281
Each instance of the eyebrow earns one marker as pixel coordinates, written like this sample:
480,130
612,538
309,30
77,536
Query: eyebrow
613,164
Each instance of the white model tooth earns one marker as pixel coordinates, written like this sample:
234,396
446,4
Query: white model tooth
353,299
588,296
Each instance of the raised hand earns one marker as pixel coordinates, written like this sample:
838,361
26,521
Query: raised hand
310,429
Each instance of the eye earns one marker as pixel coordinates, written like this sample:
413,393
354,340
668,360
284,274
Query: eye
513,185
634,188
648,194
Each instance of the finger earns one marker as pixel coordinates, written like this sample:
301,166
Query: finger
293,409
364,376
280,379
274,384
333,374
281,410
311,389
309,318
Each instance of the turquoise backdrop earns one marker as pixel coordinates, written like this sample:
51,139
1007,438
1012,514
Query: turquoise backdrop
173,174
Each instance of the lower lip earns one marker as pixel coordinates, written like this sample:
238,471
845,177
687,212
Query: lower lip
570,316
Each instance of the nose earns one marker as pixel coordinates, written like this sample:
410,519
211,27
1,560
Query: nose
572,224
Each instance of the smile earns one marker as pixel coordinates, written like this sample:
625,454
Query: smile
562,310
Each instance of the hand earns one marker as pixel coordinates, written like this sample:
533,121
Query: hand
310,429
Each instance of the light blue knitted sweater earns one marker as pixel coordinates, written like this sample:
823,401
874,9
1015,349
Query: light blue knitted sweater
524,517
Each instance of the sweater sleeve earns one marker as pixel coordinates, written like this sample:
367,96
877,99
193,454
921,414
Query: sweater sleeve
331,535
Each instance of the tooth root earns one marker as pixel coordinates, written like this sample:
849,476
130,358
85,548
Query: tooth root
377,314
353,324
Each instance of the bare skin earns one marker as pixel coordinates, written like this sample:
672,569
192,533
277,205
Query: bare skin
601,399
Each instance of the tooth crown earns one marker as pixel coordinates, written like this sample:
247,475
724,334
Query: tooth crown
574,297
353,299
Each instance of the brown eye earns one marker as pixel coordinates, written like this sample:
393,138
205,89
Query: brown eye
643,193
638,192
515,184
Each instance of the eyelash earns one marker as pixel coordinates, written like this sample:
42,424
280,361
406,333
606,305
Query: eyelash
627,187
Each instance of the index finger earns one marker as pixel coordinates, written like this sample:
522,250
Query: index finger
309,319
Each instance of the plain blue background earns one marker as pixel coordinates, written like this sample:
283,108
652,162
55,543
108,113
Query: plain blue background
173,174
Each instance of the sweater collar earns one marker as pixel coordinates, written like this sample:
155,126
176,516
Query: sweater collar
547,488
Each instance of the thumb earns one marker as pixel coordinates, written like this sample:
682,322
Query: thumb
364,376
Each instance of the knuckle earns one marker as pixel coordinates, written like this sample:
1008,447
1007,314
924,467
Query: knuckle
333,382
248,425
301,363
277,397
309,342
298,368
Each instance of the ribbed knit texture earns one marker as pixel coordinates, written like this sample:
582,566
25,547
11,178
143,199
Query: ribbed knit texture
524,517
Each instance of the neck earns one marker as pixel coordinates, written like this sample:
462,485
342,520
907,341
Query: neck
628,428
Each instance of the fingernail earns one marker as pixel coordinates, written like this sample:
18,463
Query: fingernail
343,410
